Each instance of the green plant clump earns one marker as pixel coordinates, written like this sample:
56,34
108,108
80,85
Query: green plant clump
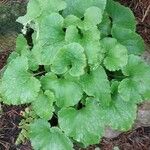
83,69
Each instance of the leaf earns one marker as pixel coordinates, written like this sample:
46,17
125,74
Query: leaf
50,39
137,73
72,34
125,18
71,20
70,58
43,105
91,44
120,114
45,138
129,91
78,7
67,93
97,85
36,8
18,85
105,26
21,44
82,125
92,17
129,39
51,29
116,54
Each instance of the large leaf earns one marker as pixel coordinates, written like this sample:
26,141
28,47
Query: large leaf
43,105
97,85
78,7
116,54
50,39
45,138
67,92
137,84
83,125
128,38
36,8
128,91
121,15
70,58
51,29
120,115
18,85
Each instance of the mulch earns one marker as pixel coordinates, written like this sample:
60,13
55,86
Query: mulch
137,139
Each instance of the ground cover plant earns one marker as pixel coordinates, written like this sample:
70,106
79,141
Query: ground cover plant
82,69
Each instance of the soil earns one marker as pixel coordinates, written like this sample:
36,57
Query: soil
138,139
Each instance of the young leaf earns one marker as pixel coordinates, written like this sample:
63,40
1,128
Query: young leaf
71,20
131,40
18,85
21,44
45,138
97,85
92,17
43,105
83,125
91,44
70,58
67,93
125,18
116,54
78,7
120,115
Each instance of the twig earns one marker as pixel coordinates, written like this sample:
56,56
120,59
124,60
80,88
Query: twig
146,13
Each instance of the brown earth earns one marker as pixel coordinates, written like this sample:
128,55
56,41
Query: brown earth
138,139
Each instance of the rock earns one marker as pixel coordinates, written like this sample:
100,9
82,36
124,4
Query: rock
109,133
143,115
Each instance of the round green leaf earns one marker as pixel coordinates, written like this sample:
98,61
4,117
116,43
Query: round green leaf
70,58
128,38
83,125
45,138
97,85
116,54
67,93
125,18
138,72
92,17
18,85
120,115
43,105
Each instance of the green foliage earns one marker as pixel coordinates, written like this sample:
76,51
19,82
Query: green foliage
81,75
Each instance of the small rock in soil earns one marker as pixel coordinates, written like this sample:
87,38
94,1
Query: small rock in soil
109,133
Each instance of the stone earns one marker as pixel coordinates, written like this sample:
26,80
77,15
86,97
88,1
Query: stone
143,115
109,133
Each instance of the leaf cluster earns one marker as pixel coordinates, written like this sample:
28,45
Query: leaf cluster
83,69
